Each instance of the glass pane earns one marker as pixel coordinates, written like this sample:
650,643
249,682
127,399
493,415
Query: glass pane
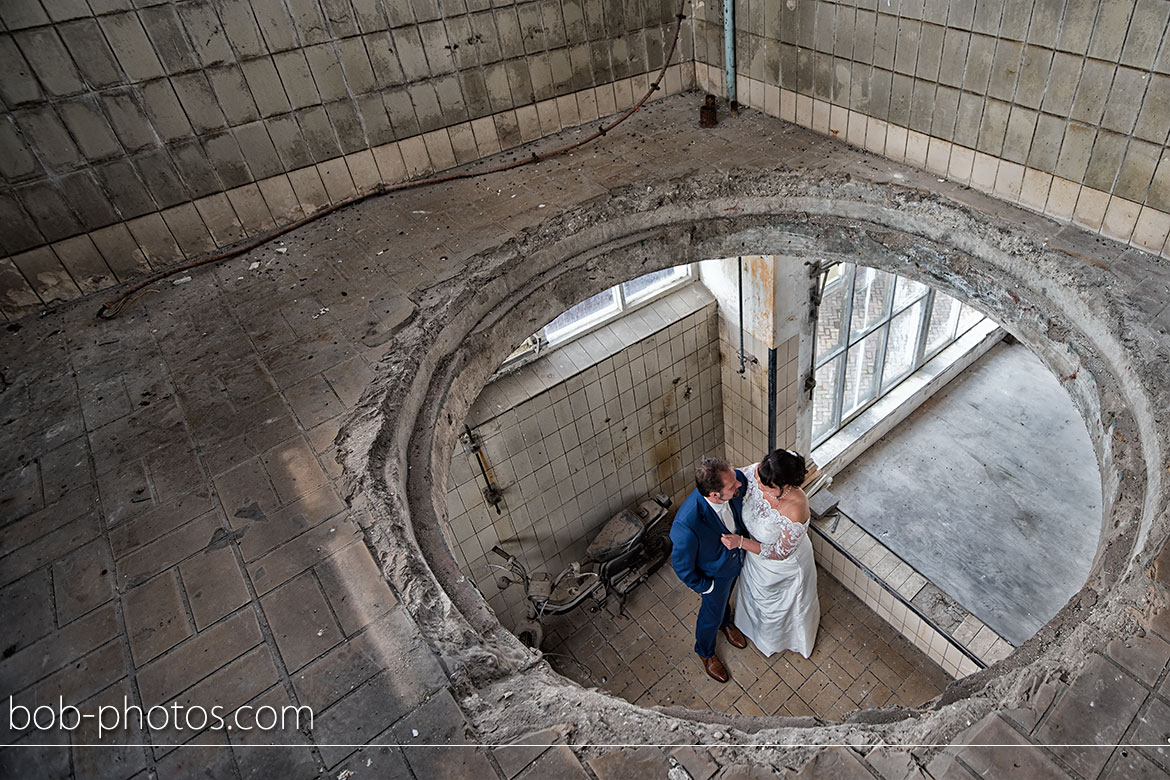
907,290
830,318
943,319
824,398
871,298
582,315
968,317
835,273
649,284
860,372
902,346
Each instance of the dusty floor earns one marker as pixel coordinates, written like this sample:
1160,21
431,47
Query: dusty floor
647,657
174,516
990,490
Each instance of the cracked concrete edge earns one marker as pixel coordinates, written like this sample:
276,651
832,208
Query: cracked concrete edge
440,359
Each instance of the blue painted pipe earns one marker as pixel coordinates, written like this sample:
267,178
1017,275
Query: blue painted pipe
729,47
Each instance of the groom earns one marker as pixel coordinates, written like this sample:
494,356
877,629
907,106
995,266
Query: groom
700,559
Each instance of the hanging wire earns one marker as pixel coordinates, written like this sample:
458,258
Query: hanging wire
810,382
112,309
742,356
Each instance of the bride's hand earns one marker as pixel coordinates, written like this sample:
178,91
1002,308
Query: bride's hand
731,541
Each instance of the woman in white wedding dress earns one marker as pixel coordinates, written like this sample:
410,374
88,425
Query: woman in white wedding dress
776,598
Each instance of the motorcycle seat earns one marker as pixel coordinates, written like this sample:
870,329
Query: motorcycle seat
615,536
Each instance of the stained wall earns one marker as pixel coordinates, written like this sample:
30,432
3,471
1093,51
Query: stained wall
133,137
598,425
1060,107
136,135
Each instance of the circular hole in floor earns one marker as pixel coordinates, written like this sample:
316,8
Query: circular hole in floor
938,444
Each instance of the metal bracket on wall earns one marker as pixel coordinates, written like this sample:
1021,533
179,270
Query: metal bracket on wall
491,494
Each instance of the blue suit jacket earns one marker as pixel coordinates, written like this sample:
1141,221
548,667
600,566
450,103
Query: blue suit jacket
698,555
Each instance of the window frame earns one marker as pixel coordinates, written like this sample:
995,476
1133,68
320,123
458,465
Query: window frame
615,308
539,343
845,346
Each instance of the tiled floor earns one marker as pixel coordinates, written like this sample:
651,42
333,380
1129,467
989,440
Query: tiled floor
648,657
166,422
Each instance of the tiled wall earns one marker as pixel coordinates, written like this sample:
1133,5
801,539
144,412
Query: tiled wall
757,293
745,396
1061,107
134,135
590,428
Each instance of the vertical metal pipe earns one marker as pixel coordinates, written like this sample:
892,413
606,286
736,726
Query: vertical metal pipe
742,359
729,47
771,399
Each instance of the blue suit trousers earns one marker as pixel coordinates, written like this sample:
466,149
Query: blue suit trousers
714,614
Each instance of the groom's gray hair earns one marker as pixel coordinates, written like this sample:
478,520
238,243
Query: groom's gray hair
707,475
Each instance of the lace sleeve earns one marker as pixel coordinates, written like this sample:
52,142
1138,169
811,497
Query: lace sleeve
763,520
790,536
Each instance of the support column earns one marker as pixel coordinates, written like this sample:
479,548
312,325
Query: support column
793,337
764,407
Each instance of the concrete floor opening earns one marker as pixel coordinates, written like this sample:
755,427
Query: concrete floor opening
550,452
444,357
179,468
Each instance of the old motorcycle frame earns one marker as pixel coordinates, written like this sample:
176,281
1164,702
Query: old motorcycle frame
626,551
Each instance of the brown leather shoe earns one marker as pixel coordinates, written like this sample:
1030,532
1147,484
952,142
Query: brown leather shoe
734,635
715,669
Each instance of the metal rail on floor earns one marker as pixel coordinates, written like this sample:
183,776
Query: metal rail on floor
909,605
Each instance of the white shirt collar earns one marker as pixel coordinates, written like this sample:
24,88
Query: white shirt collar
723,512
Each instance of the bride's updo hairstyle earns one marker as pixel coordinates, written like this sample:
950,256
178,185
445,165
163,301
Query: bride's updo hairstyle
782,467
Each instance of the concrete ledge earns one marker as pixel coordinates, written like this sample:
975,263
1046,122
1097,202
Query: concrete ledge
884,571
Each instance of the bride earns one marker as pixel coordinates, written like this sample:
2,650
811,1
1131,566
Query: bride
776,599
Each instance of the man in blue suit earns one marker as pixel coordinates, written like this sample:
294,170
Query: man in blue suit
700,559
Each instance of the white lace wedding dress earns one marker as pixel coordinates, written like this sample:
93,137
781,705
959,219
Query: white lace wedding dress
776,602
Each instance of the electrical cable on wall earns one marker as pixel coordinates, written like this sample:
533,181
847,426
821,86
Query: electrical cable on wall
742,356
112,309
